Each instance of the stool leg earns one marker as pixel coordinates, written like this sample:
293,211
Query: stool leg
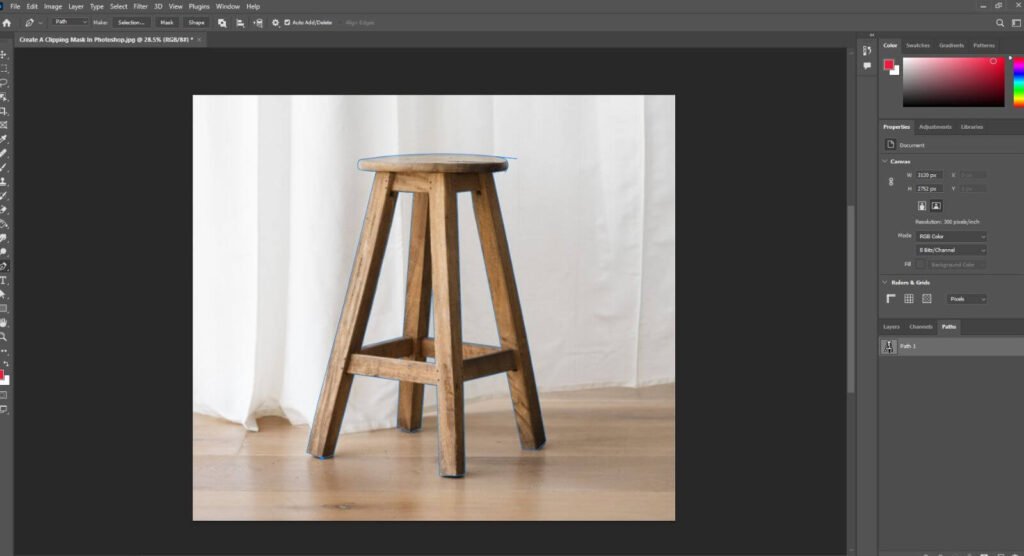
323,435
444,251
417,311
508,313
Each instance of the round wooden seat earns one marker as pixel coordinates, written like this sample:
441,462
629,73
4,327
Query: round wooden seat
439,163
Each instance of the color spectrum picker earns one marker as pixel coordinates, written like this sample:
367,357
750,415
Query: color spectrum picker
954,81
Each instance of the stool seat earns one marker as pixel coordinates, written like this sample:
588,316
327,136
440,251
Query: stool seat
437,163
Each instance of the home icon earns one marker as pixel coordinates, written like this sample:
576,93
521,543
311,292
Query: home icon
6,23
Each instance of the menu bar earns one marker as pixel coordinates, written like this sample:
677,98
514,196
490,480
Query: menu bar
522,6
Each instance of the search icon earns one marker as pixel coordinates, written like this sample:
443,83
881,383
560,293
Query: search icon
3,336
1000,22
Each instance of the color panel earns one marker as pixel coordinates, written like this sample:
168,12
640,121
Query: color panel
955,82
1018,83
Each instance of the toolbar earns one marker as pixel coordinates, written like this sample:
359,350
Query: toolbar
6,226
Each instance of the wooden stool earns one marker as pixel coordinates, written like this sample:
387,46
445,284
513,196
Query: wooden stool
434,181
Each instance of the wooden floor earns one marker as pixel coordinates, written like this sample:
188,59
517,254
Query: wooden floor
610,455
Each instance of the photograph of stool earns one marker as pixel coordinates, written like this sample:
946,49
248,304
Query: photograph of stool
434,180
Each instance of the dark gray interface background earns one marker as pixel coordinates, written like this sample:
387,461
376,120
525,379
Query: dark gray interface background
934,426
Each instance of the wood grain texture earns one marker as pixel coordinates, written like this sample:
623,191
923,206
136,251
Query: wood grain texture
468,349
444,252
420,182
508,313
445,163
398,347
397,369
352,326
417,310
490,364
611,457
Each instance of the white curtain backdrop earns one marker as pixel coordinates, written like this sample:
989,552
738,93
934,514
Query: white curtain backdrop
278,204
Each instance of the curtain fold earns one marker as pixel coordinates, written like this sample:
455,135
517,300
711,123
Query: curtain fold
278,205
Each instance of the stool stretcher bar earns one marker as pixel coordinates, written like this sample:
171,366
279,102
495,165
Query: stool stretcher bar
382,360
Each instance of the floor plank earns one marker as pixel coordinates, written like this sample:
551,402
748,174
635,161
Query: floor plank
610,456
212,436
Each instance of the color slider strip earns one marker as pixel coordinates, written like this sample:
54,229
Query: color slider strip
1018,83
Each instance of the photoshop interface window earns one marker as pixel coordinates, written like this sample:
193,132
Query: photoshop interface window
849,181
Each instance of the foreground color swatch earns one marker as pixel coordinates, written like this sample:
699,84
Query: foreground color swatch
1018,83
954,81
